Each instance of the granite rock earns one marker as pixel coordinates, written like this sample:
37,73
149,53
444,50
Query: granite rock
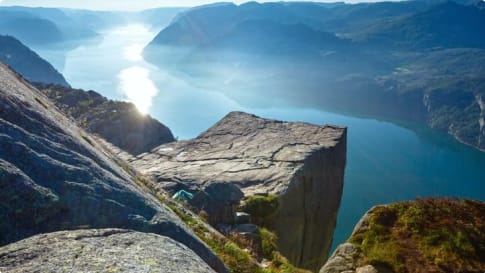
302,164
104,250
219,200
344,259
54,176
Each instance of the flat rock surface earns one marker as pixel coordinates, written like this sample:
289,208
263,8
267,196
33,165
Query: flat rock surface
105,250
259,155
301,163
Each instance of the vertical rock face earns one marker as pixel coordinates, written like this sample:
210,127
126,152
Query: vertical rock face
302,164
55,177
105,250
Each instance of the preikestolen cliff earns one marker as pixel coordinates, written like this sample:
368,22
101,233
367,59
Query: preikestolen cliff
271,137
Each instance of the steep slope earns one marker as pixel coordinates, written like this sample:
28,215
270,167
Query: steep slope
299,166
120,123
106,250
55,177
427,235
28,63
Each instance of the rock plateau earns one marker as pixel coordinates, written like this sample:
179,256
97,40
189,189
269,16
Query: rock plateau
302,164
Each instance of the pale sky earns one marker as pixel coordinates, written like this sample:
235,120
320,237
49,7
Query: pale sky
127,4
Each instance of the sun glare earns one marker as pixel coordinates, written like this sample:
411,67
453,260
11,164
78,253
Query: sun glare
133,52
136,85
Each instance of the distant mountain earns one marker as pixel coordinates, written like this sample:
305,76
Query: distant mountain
28,63
158,18
205,23
447,25
270,37
120,123
417,61
43,26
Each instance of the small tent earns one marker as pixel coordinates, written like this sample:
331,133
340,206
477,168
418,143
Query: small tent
183,195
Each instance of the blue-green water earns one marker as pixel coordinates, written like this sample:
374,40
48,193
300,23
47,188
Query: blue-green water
385,163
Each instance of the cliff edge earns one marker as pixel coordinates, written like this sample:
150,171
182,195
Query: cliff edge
299,163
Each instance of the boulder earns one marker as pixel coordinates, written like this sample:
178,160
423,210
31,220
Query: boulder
219,201
54,176
344,259
104,250
300,163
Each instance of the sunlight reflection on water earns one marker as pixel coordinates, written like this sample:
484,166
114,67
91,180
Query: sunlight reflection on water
133,52
136,85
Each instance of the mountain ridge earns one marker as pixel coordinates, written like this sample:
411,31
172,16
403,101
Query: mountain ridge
403,61
27,62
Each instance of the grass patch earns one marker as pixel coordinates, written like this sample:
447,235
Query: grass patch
236,258
431,235
232,252
260,207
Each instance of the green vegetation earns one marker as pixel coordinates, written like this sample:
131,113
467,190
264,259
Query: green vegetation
260,206
428,235
236,258
270,252
269,242
230,250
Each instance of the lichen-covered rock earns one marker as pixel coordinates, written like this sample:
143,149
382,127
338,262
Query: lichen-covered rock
54,176
118,122
105,250
344,259
302,164
426,235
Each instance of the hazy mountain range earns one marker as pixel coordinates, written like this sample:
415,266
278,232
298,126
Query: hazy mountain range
410,61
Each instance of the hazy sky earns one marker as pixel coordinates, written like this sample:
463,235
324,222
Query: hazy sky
126,4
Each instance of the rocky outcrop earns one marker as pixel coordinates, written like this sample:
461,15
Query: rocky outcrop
219,201
302,164
28,63
54,176
426,235
105,250
344,259
118,122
